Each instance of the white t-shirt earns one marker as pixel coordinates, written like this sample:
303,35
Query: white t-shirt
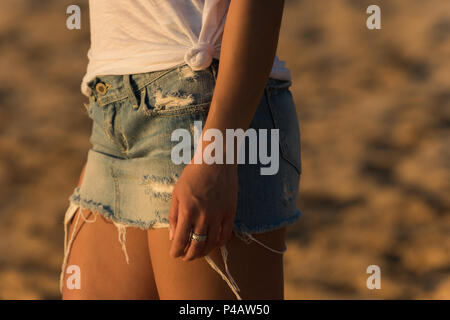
136,36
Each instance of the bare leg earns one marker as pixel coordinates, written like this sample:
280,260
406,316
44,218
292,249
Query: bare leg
257,271
104,272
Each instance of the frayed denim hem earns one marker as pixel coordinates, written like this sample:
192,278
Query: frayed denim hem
108,213
241,228
241,231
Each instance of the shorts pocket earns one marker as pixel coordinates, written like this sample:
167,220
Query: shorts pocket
88,105
284,115
178,92
94,111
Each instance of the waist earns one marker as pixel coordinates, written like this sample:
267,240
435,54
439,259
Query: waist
144,71
106,89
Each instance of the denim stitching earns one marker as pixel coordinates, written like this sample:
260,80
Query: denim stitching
202,107
106,127
102,101
108,134
277,126
116,192
127,147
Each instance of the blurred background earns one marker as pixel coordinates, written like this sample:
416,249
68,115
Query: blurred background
374,112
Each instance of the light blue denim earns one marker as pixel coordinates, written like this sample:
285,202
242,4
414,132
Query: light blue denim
129,173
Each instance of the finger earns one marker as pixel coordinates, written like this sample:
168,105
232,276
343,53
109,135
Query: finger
226,231
181,235
195,248
213,237
173,217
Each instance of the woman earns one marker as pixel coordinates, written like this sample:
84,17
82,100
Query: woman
207,229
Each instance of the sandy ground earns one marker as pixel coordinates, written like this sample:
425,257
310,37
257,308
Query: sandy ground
374,111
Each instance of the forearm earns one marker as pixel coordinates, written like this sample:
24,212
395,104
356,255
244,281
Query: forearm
210,192
248,50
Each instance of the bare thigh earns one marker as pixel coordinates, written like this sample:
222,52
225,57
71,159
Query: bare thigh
104,273
257,271
103,268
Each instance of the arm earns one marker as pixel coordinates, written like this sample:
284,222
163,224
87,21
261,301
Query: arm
248,50
205,196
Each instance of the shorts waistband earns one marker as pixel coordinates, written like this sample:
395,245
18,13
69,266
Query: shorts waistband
110,88
105,89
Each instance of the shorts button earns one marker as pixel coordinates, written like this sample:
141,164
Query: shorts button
101,88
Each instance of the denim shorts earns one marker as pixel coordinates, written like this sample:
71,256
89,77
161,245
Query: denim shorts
129,175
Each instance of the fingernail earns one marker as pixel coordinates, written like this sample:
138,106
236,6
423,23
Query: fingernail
170,234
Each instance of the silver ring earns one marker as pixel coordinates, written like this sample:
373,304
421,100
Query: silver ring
198,237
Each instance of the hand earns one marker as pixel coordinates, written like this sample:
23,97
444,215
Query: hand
204,199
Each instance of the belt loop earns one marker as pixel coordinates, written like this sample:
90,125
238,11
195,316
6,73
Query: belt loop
127,84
